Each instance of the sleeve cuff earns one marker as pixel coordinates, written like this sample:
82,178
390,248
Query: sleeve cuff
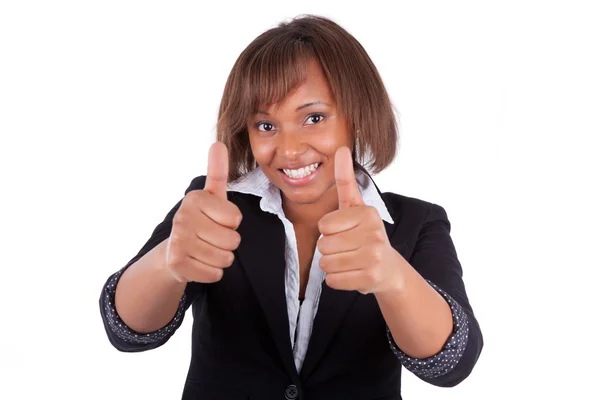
122,331
444,361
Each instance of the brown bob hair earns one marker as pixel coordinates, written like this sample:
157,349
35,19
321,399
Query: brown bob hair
276,62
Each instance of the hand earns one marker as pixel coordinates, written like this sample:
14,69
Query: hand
204,232
356,251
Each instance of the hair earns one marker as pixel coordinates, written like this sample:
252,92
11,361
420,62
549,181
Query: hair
276,62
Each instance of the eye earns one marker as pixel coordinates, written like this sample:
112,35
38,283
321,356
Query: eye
314,119
264,126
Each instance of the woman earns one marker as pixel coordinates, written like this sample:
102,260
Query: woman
306,281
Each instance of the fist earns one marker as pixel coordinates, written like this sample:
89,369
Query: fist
356,253
204,232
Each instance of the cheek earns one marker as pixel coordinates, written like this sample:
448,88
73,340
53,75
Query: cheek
262,150
329,143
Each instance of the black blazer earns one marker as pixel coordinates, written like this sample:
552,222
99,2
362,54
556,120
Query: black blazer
240,340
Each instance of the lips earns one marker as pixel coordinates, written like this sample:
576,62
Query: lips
301,172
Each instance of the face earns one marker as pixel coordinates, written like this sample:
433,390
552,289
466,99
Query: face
294,142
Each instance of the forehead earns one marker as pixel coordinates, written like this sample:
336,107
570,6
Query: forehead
315,84
314,87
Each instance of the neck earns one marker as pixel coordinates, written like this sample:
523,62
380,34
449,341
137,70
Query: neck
310,214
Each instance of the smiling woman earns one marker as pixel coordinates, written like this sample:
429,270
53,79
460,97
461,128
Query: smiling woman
306,281
343,81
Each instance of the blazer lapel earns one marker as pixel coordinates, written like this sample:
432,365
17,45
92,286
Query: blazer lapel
262,255
333,306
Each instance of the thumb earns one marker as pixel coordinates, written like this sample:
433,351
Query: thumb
218,170
345,181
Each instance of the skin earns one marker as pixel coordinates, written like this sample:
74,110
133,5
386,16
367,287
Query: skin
327,211
284,136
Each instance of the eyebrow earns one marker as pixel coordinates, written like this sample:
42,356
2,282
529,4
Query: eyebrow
313,103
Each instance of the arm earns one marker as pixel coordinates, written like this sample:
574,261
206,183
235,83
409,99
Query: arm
417,316
358,255
431,325
142,305
147,296
121,335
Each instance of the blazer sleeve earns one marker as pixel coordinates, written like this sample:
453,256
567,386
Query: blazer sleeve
119,334
435,258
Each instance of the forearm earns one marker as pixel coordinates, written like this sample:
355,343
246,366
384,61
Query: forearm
147,296
418,317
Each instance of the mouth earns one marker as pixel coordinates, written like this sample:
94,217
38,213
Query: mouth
300,175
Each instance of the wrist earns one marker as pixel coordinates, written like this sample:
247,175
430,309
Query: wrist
394,284
162,268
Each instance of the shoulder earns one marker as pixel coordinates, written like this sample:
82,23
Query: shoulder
413,217
412,211
196,184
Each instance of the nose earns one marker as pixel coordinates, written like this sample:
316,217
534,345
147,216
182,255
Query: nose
291,145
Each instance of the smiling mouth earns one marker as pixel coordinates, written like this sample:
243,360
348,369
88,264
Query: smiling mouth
301,172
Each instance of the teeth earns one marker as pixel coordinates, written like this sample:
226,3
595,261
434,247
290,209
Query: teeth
301,172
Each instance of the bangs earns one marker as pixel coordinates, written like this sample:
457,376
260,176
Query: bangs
274,71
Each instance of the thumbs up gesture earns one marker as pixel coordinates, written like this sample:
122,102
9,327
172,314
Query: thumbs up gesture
356,252
204,232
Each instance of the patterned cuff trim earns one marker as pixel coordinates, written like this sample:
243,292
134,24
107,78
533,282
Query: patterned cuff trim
444,361
122,331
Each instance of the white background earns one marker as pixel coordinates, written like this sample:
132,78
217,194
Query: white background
107,110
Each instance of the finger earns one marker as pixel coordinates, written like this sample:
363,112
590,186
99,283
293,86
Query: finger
341,262
218,170
217,235
340,242
221,211
340,220
347,188
210,255
350,280
197,271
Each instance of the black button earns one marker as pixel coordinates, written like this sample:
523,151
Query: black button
291,392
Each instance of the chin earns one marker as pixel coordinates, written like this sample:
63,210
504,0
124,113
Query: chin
306,195
302,198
